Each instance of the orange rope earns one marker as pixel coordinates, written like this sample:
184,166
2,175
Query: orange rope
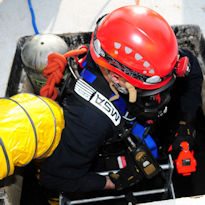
138,2
54,71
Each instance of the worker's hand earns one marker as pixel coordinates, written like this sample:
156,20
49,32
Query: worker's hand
127,176
109,184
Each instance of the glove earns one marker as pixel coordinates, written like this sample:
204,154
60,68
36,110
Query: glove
182,149
127,176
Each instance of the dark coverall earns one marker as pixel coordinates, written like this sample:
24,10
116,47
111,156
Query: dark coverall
69,167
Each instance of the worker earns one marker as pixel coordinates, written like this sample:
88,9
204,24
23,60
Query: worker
132,65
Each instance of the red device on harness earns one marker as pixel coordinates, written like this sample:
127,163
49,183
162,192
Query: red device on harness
185,163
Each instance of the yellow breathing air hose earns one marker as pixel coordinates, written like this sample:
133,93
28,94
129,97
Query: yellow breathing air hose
30,128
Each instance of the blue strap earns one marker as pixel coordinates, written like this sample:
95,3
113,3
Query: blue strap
88,76
138,130
120,104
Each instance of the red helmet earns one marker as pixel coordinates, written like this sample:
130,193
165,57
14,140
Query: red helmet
138,44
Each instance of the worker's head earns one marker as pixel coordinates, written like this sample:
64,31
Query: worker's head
139,45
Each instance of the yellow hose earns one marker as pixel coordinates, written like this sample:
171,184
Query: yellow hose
30,128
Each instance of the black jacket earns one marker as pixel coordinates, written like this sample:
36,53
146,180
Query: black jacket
189,87
68,169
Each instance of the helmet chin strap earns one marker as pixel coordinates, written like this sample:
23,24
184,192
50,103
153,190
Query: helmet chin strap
130,89
132,92
114,90
121,89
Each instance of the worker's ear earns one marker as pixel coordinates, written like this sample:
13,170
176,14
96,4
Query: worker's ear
114,77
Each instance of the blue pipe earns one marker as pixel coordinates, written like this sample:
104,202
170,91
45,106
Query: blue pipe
33,17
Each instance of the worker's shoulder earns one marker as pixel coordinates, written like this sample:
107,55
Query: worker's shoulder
77,109
186,52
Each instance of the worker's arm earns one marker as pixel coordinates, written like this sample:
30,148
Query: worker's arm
182,148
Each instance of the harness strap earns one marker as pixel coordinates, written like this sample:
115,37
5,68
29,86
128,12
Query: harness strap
88,93
98,101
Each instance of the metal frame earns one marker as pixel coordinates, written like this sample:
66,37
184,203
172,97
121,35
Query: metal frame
168,188
2,196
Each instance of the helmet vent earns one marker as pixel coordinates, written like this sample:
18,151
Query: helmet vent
146,64
138,56
117,45
151,71
128,50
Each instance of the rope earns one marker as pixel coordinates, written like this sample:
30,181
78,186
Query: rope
80,63
54,71
137,2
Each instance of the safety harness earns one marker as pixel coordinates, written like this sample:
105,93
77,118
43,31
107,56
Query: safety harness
144,162
87,93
